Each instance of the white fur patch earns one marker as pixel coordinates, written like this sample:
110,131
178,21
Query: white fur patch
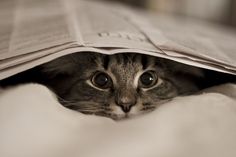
136,79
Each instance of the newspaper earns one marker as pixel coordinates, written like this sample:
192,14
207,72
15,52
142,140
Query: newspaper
34,32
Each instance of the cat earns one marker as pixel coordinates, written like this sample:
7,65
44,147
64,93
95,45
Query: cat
117,86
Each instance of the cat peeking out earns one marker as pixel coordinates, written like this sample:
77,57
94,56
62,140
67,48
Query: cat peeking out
117,86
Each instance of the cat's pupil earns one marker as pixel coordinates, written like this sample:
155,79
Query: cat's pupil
147,79
101,80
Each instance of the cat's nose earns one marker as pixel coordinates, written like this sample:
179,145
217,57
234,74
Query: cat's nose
125,98
126,103
126,107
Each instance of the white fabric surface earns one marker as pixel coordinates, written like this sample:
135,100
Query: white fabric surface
34,124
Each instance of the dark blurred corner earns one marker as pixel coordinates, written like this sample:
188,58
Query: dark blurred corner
221,11
232,18
136,3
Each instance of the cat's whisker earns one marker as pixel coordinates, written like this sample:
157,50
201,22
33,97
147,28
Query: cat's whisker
82,109
91,111
68,104
86,107
93,106
64,100
80,103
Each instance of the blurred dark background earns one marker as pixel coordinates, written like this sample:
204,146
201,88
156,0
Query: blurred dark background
222,11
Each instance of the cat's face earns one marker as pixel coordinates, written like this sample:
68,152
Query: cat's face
117,86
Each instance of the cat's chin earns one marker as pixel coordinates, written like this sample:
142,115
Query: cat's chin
118,117
126,116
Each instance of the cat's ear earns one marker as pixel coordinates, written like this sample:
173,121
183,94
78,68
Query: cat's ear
183,69
71,63
189,70
87,58
62,65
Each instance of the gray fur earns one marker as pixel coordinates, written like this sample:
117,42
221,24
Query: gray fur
69,77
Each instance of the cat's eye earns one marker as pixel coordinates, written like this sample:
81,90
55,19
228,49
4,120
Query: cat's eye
148,79
102,80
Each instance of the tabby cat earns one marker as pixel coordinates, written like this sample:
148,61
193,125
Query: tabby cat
118,86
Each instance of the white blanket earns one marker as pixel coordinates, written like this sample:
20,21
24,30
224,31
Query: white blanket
34,124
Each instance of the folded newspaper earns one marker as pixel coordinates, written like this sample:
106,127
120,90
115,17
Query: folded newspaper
34,32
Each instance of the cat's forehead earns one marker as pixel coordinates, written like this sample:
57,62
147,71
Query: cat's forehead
121,61
124,70
125,64
126,67
127,61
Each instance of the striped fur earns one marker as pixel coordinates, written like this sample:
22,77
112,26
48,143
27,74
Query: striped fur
70,77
